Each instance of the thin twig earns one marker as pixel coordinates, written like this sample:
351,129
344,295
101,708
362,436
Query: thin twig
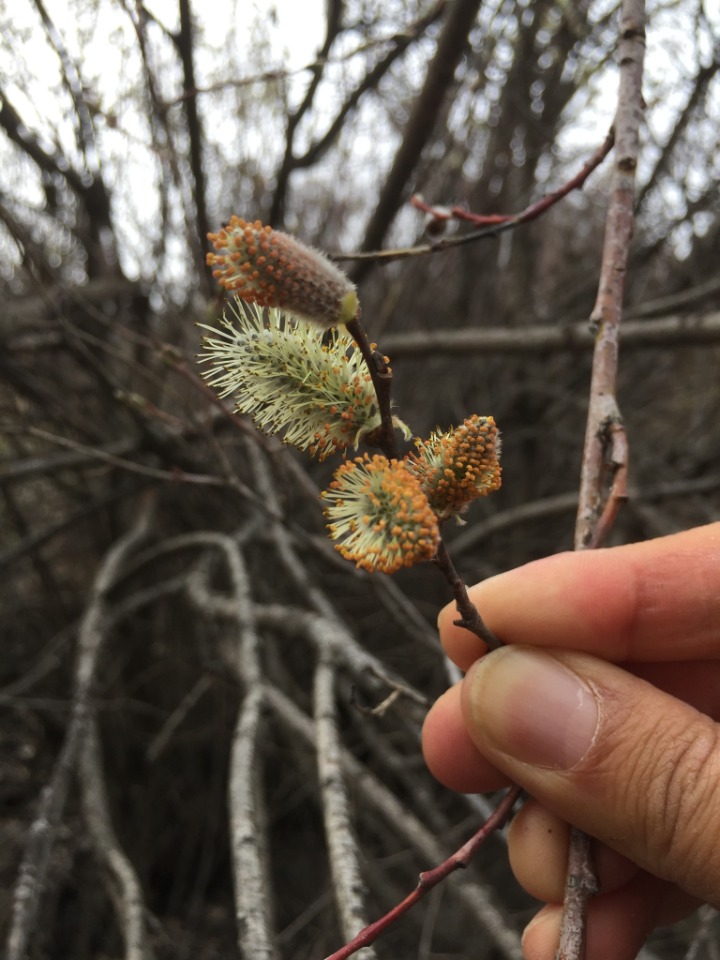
381,375
604,467
430,878
489,225
535,210
122,463
348,885
41,835
470,617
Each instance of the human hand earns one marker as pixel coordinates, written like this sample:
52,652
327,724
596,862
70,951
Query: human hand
605,716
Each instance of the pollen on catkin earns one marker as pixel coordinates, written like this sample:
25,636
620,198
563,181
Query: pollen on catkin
456,467
379,516
317,396
273,269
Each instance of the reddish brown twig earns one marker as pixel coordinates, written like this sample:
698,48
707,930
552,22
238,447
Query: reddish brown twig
384,438
430,878
605,455
441,214
470,617
381,375
489,225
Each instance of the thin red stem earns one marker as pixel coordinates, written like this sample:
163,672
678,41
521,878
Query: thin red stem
529,213
430,878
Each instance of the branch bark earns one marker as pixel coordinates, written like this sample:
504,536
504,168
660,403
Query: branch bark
41,835
603,414
672,331
420,125
604,467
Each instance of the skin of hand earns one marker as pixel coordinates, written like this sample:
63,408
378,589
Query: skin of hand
602,705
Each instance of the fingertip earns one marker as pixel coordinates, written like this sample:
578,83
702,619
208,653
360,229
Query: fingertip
541,935
537,850
450,754
462,646
538,843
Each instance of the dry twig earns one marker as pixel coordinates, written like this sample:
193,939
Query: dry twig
604,468
41,835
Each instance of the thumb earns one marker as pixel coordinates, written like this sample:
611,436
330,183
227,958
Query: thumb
607,752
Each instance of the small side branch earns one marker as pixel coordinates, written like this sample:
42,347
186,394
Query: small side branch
381,375
470,617
430,878
488,225
442,214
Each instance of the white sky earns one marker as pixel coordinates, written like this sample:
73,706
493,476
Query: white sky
300,23
296,31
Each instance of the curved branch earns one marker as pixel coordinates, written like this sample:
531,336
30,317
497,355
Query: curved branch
126,888
342,846
420,125
332,29
41,835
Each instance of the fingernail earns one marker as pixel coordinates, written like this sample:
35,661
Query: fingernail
531,707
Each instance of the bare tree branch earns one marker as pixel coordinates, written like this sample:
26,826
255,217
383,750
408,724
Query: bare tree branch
686,329
604,466
348,885
125,885
32,875
420,124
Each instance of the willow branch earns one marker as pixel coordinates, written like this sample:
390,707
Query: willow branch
604,420
380,802
430,878
41,835
348,884
381,375
604,467
125,885
470,617
532,212
489,225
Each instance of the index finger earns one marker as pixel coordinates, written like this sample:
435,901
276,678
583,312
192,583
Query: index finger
657,600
